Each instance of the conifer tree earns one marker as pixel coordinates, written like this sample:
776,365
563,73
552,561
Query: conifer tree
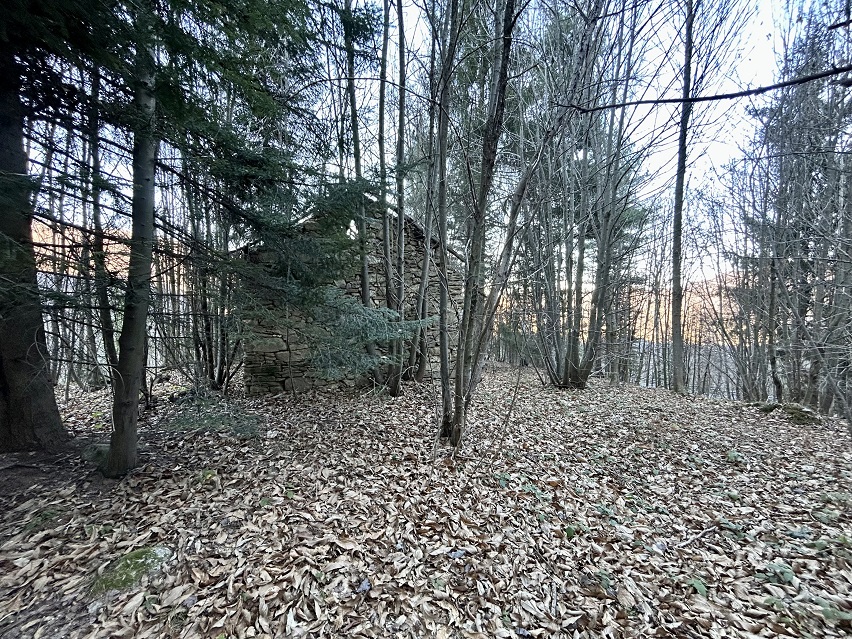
33,38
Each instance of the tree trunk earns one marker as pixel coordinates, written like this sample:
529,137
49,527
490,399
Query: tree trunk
678,374
571,370
98,250
444,104
363,242
29,417
383,168
131,342
472,314
399,294
100,281
419,356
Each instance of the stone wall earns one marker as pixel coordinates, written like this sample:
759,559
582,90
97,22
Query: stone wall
276,359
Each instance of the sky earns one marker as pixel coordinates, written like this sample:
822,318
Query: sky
755,66
717,143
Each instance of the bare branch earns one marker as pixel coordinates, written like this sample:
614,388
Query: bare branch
834,71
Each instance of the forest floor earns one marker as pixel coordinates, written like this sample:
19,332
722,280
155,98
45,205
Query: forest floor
611,512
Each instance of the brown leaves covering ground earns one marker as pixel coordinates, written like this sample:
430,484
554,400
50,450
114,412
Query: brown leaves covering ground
611,512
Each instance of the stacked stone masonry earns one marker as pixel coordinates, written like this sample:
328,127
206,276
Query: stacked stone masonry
275,360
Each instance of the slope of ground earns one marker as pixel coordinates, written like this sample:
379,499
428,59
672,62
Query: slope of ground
611,512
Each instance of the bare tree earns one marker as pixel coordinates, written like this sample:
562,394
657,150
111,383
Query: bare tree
709,35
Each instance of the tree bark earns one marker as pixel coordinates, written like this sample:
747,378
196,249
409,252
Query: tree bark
363,242
472,314
29,417
419,356
678,373
444,104
98,250
131,343
399,294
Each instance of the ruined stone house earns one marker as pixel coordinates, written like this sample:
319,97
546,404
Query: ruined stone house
276,360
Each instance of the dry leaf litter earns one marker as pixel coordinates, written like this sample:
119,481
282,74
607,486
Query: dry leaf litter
611,512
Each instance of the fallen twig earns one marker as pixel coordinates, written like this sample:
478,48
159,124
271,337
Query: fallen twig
703,533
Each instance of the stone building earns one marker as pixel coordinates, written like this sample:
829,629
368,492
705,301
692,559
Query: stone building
275,357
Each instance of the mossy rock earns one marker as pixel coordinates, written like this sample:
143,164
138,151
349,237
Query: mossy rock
127,571
796,413
96,454
801,415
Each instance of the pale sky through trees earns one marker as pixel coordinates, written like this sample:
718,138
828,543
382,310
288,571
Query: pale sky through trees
753,64
755,67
